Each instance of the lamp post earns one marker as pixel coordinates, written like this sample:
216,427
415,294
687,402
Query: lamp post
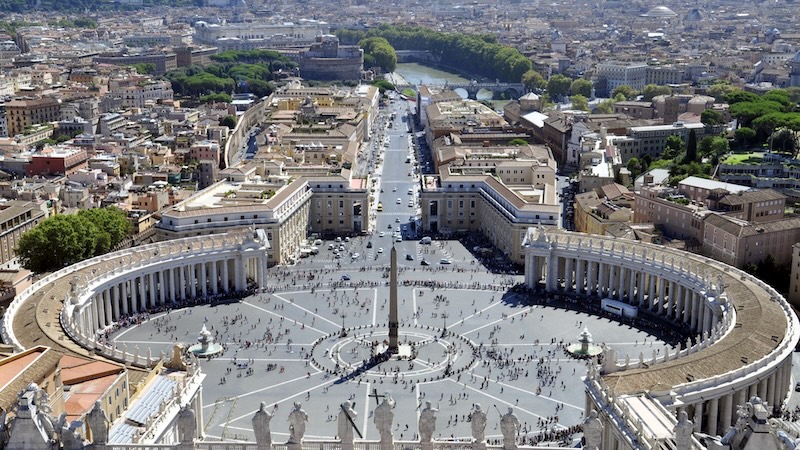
343,332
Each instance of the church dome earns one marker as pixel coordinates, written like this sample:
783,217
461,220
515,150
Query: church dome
660,12
694,16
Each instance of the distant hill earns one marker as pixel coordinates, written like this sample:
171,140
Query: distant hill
23,6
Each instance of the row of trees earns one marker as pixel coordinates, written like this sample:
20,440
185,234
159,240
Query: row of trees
62,240
379,52
233,71
480,54
772,118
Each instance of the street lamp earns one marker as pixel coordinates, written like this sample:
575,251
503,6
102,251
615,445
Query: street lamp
343,332
444,325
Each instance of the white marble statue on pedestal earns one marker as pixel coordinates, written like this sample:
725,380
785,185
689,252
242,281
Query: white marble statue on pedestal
592,431
261,429
509,425
297,424
346,425
383,420
683,432
187,425
478,425
427,423
98,423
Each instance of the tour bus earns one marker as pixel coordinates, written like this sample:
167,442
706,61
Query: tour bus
380,207
619,308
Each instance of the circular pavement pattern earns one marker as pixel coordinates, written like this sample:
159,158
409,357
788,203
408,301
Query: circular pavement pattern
463,346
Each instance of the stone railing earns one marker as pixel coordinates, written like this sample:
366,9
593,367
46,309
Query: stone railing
312,444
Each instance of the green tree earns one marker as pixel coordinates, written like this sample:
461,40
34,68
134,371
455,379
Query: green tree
744,136
112,224
579,102
654,90
228,121
635,167
558,86
581,86
381,52
57,242
711,117
720,91
518,142
673,147
626,91
691,148
713,147
534,81
383,85
217,97
605,106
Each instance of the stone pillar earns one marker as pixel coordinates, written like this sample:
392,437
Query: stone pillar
142,297
262,272
226,284
662,288
171,284
107,306
632,287
673,292
762,390
241,275
687,305
182,283
124,294
651,281
193,280
162,286
771,389
726,419
591,286
551,278
641,291
115,301
695,314
214,278
612,286
95,322
621,283
713,413
697,418
151,278
203,281
707,315
568,278
602,279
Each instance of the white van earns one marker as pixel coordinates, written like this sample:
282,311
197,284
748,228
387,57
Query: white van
425,240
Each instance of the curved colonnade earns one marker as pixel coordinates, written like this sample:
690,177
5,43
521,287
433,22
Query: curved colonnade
746,331
95,295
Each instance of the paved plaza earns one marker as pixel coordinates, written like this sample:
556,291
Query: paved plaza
473,342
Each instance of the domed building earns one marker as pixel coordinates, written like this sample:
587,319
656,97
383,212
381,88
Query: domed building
660,12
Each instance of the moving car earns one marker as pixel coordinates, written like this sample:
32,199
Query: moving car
409,257
380,249
424,263
445,261
345,277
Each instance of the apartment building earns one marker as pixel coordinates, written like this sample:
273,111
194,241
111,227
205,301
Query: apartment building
677,215
763,170
615,74
739,242
137,93
57,160
16,217
21,114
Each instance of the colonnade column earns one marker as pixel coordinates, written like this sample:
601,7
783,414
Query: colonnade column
182,281
214,278
727,411
107,306
698,416
124,294
651,291
568,278
226,283
673,292
152,283
142,297
662,291
171,283
262,282
713,413
115,301
162,286
632,287
203,282
193,280
591,286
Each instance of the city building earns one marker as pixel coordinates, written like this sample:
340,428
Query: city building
21,114
611,75
16,217
57,160
254,35
794,278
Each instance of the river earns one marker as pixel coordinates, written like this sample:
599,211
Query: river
417,74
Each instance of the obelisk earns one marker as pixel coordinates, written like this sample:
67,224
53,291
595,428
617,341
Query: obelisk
393,322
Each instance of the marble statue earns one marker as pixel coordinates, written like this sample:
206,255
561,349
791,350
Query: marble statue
427,422
346,418
98,423
260,423
297,424
187,424
509,425
593,431
384,417
478,424
683,431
